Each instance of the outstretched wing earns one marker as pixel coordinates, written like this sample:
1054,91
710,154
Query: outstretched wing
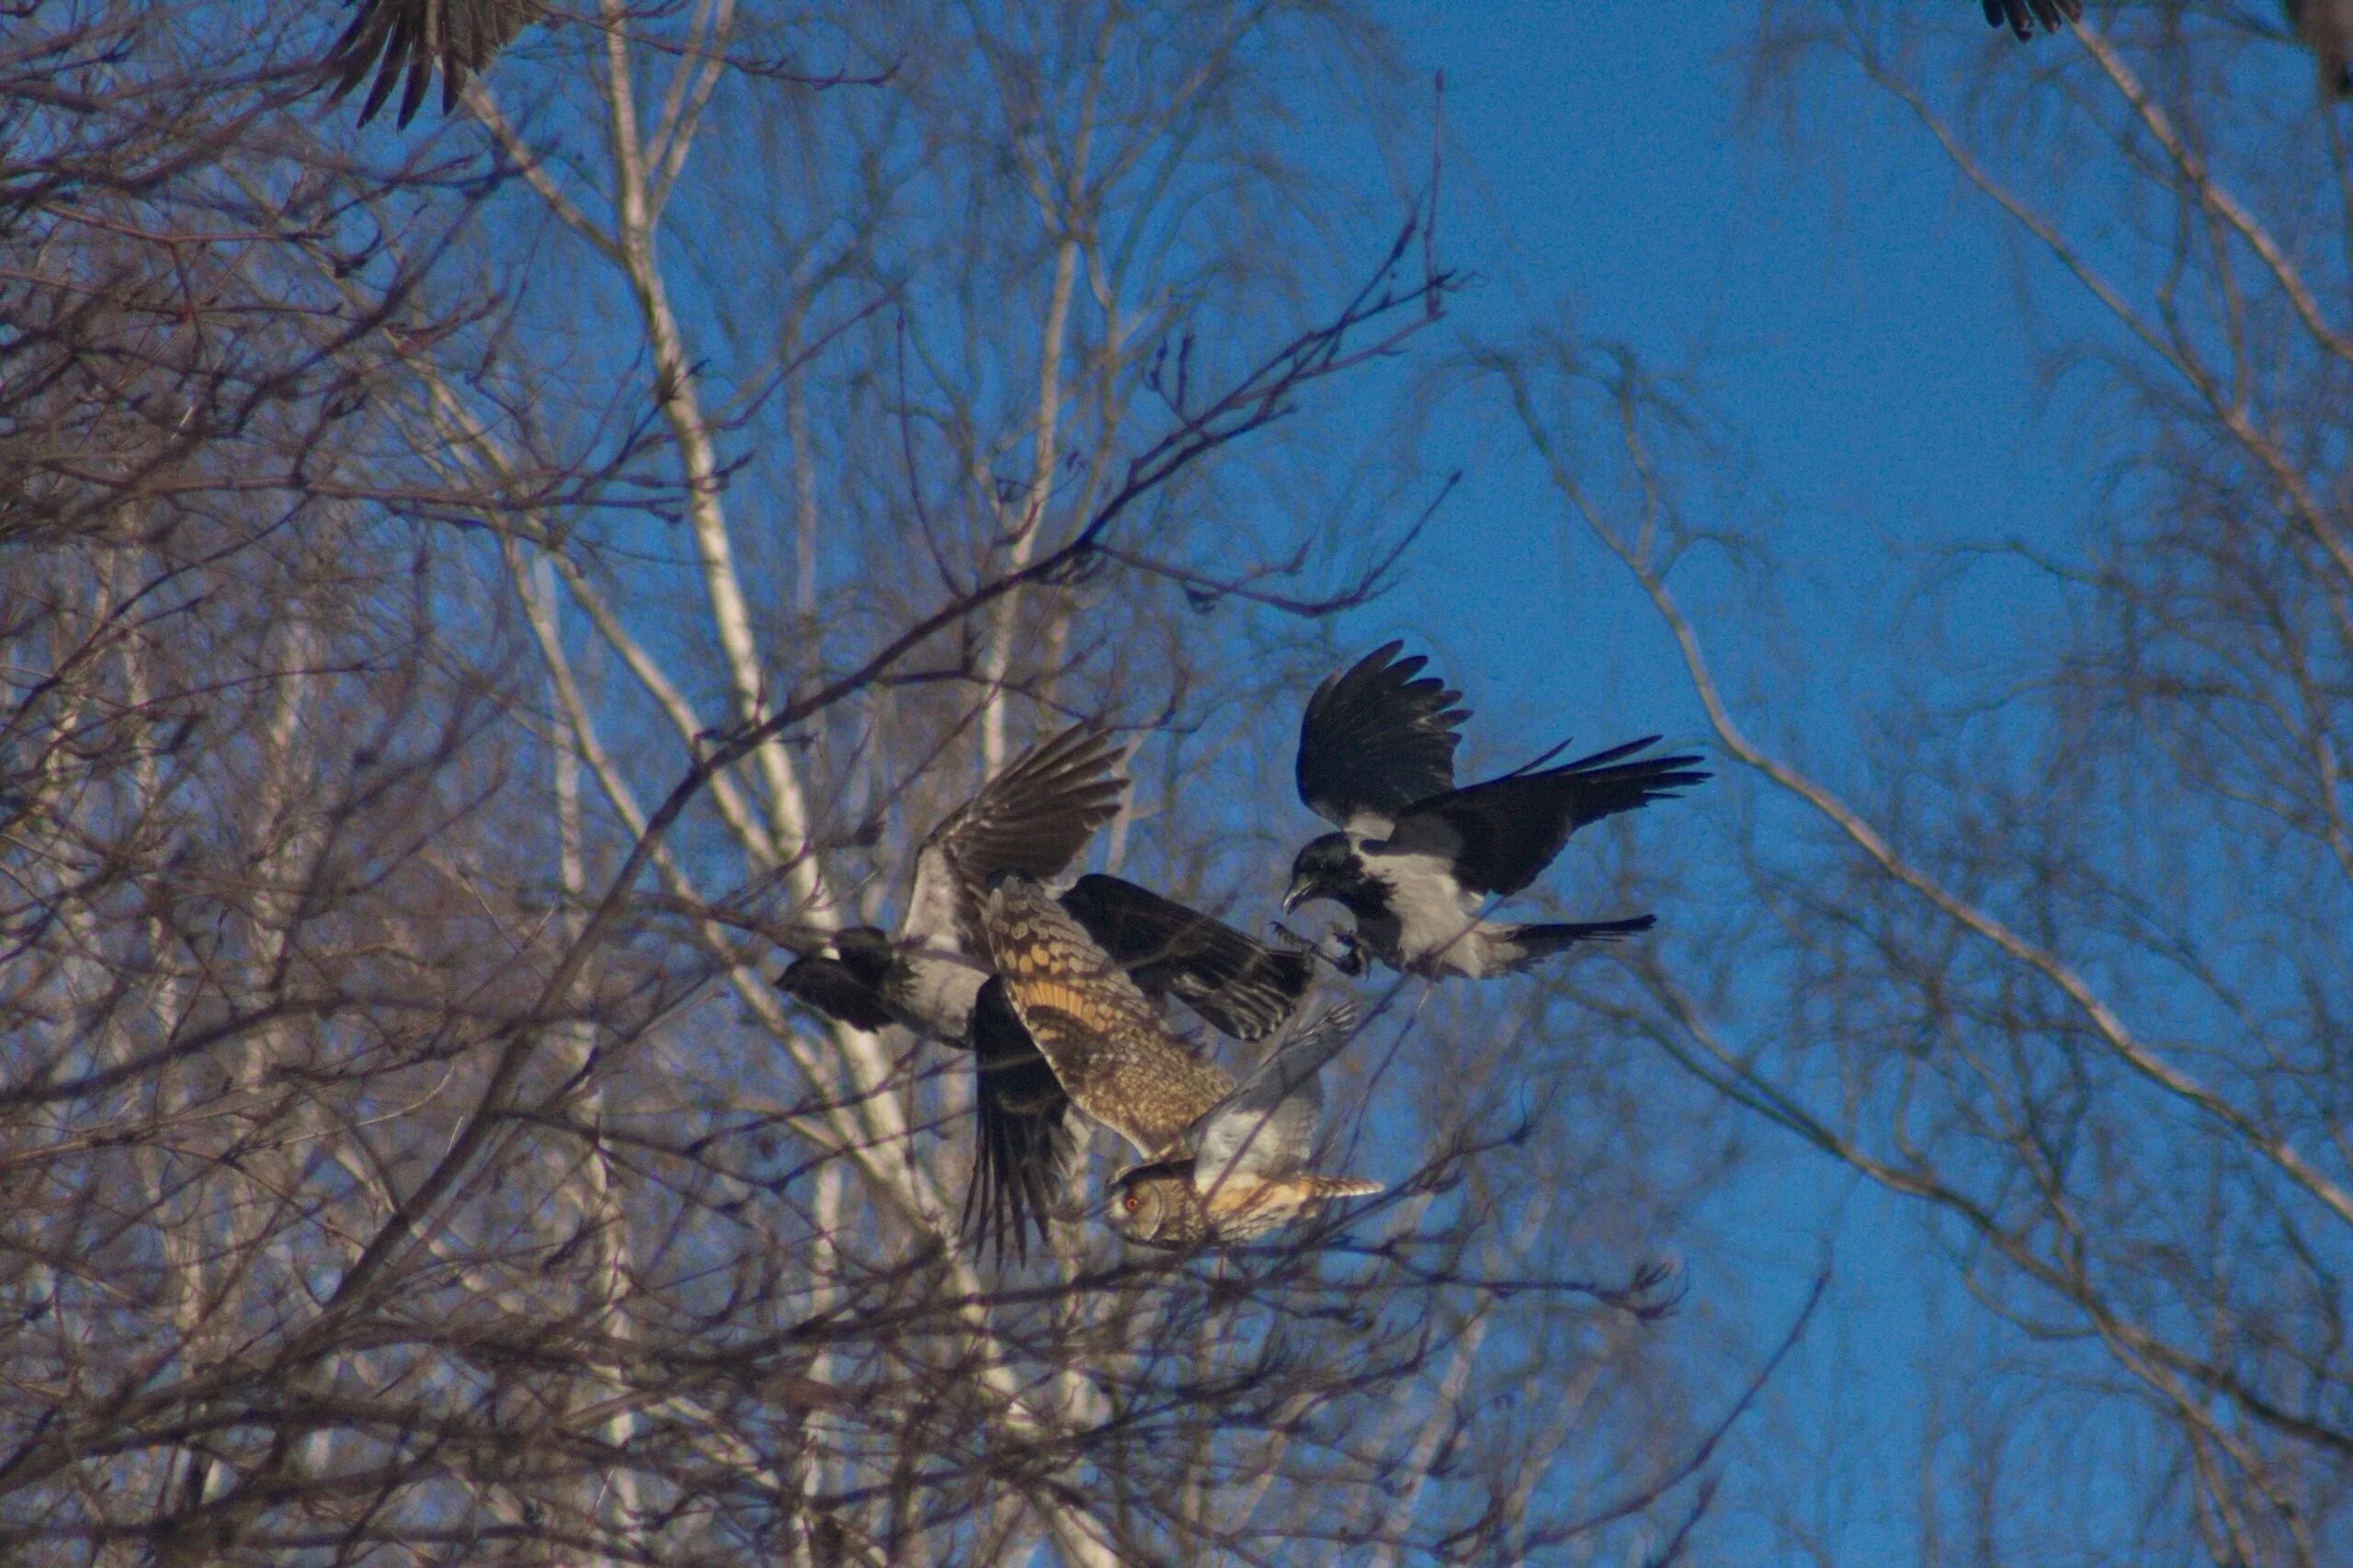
1024,1137
1033,817
1497,836
1375,739
2020,16
393,35
1101,1035
1240,986
1266,1127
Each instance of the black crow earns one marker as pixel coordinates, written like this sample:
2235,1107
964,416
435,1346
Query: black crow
1415,858
2020,16
393,35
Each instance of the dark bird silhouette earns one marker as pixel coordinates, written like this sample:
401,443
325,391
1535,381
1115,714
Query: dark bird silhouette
1061,1003
2326,27
414,36
2021,16
1415,858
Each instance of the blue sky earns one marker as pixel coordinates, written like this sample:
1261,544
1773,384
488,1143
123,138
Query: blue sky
1853,312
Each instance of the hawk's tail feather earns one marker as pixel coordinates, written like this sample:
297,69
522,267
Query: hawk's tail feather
1327,1186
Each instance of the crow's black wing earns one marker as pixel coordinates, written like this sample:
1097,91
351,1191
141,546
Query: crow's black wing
393,35
1034,817
1375,740
2020,16
1498,836
1239,986
1023,1136
831,987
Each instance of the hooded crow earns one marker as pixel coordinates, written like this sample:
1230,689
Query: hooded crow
1415,858
1033,817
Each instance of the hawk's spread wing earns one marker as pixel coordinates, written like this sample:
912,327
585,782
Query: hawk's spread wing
2020,16
393,35
1265,1128
1375,740
1024,1136
1033,817
1101,1034
1241,987
1498,836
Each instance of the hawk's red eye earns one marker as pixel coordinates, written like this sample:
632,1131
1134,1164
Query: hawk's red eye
1132,1203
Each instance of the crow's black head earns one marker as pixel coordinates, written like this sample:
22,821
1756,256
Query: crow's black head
867,953
1330,868
849,984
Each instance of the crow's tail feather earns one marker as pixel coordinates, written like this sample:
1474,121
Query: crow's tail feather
1541,941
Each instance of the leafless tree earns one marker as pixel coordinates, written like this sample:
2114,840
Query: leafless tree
476,599
2059,952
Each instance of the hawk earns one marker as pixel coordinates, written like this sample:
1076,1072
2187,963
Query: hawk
1416,858
1245,1173
1063,1025
393,35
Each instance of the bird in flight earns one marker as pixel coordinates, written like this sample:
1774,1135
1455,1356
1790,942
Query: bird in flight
1244,1174
2021,16
1063,1025
1415,858
1034,816
394,36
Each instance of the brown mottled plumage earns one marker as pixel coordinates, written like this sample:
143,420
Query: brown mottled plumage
1160,1205
1221,1160
1096,1027
1093,965
1244,1169
1033,817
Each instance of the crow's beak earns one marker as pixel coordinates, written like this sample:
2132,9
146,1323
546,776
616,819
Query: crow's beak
1299,893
